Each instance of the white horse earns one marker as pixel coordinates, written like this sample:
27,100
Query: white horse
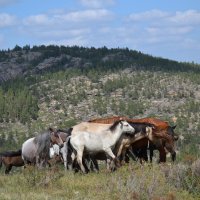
100,141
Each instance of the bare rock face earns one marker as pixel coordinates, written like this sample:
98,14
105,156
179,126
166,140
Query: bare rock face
22,63
10,70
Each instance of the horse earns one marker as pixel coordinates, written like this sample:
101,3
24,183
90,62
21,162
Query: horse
36,150
162,130
64,151
10,159
142,130
102,138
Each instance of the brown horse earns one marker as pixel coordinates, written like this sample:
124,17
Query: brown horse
162,130
10,159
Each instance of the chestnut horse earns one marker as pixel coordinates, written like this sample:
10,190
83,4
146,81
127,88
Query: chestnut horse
162,130
10,159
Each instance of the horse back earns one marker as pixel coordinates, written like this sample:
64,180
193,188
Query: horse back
90,127
159,124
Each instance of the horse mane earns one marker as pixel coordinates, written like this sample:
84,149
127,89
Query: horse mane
159,124
11,153
68,131
141,123
114,125
43,142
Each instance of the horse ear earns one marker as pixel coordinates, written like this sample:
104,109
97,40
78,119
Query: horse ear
51,129
173,127
121,124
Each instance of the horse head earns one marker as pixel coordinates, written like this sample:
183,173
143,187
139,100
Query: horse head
64,133
124,125
55,137
170,131
127,127
165,140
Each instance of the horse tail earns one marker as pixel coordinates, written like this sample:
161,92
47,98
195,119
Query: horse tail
70,147
69,131
12,153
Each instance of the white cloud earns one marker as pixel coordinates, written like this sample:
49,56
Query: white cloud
7,20
57,34
148,15
55,19
97,3
86,15
169,30
190,17
40,19
156,26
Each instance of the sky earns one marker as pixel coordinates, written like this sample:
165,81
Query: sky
163,28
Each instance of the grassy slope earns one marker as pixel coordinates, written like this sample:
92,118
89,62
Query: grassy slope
129,182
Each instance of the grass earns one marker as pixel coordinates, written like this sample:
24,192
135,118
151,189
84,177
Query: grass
132,181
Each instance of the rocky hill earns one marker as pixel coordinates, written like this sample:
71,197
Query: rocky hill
25,61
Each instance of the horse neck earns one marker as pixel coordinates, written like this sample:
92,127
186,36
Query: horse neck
116,134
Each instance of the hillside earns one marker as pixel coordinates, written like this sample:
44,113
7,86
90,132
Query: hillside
59,86
51,86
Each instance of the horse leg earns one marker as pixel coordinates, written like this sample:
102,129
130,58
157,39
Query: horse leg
151,154
65,151
162,155
123,155
37,161
93,164
96,166
79,159
8,168
144,154
109,152
131,154
108,164
119,152
73,157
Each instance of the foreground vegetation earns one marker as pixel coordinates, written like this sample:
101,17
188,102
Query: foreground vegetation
134,181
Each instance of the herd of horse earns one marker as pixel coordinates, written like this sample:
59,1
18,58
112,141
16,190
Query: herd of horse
113,139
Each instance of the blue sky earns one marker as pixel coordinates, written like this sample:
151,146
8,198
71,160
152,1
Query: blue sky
165,28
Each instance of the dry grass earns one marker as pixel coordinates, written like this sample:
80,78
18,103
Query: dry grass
155,182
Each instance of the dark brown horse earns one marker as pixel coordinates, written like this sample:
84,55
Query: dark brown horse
10,159
162,130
